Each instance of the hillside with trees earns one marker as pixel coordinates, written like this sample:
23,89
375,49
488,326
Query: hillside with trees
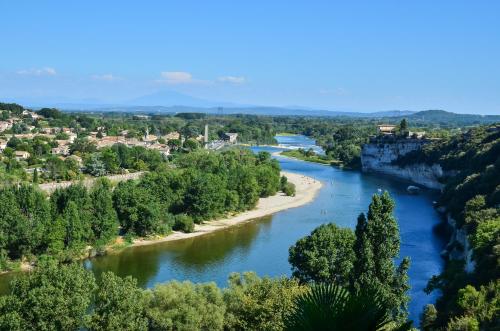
471,200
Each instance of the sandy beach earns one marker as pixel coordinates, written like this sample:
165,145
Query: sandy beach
306,190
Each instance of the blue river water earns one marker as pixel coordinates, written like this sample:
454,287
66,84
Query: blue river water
262,245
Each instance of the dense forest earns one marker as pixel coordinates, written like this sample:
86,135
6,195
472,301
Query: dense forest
198,187
333,285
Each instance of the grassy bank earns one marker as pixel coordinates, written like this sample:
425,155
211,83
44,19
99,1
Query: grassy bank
323,159
286,134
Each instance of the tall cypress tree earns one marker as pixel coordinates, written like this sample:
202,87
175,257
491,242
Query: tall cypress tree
35,176
77,229
364,266
377,245
35,208
105,220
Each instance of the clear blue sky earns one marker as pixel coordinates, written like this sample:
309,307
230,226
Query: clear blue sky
348,55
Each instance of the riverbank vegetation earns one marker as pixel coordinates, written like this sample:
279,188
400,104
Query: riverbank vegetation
309,156
471,198
360,259
324,291
200,187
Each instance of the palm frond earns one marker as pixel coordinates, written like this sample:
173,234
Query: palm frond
326,307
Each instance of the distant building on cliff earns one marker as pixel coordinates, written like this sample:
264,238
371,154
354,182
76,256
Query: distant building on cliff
386,129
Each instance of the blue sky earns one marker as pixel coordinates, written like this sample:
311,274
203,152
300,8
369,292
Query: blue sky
338,55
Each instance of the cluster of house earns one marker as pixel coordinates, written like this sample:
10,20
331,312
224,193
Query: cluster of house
101,140
8,123
390,130
149,141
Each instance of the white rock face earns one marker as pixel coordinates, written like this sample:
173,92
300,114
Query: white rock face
462,251
378,157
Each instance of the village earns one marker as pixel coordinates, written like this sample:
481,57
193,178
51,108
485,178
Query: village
59,141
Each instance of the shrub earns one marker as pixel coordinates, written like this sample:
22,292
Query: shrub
183,223
289,189
283,182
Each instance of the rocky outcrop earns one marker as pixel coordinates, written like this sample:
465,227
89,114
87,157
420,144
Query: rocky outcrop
380,156
459,247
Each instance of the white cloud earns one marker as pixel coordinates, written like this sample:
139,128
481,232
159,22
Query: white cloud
183,77
46,71
232,79
106,77
177,77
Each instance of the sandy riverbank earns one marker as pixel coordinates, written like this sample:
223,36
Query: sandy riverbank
306,190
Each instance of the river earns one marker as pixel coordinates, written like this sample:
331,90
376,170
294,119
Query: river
262,245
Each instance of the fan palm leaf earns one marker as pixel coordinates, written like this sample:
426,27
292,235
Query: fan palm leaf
329,307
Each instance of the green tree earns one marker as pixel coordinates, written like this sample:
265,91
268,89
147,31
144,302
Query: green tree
205,196
105,220
183,223
11,223
56,236
186,306
174,144
376,247
191,144
482,304
95,166
35,211
463,323
255,303
428,318
35,176
364,262
137,209
82,145
110,160
326,255
283,182
55,167
53,297
119,305
403,126
246,186
289,189
77,229
268,179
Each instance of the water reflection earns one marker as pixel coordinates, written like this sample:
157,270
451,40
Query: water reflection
263,245
189,258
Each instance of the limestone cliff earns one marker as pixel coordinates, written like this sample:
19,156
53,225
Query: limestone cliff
380,156
459,247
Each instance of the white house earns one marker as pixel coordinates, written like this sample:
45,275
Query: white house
21,155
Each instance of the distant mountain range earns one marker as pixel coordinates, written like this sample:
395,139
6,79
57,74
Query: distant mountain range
250,110
167,101
171,102
445,118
